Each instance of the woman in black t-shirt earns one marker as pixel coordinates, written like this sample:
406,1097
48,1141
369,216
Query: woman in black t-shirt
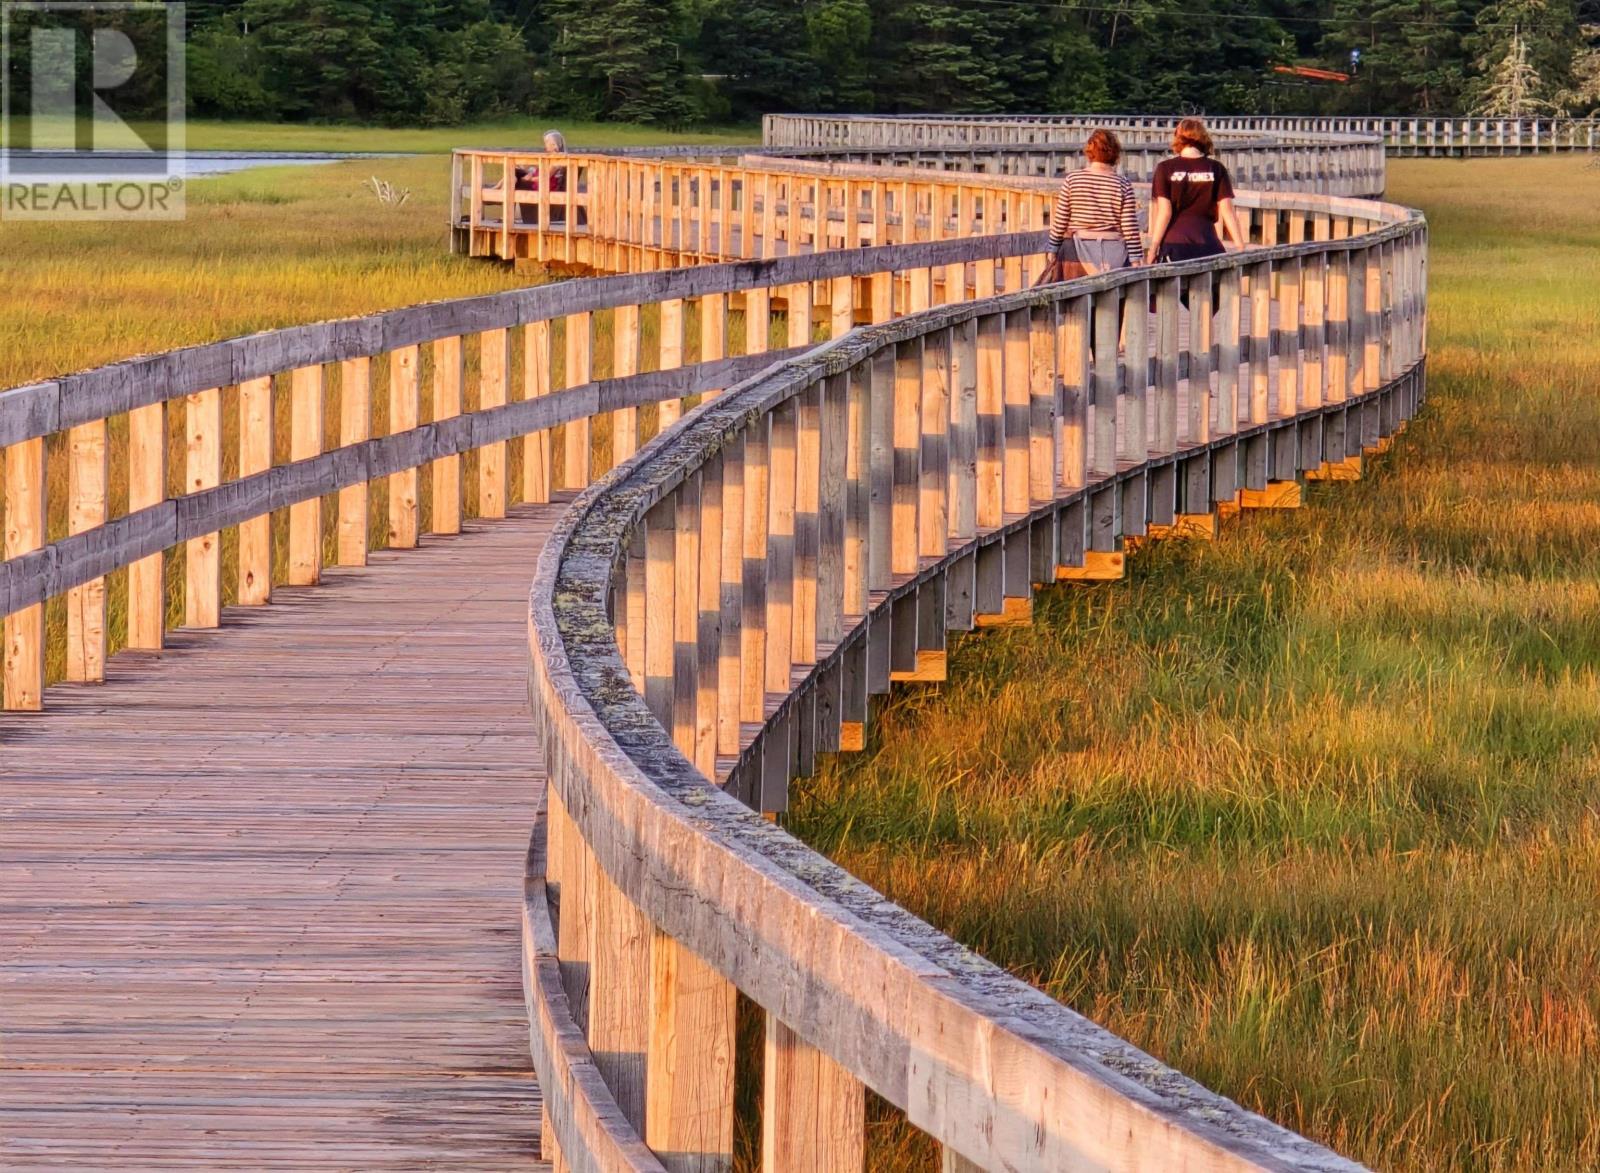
1190,196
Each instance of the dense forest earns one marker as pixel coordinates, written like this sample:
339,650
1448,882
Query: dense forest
678,62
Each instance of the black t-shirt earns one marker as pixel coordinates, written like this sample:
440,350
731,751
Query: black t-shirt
1195,186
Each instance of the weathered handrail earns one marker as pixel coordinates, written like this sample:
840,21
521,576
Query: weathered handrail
337,367
1399,134
724,605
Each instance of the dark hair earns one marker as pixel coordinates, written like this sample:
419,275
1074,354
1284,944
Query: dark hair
1191,132
1103,147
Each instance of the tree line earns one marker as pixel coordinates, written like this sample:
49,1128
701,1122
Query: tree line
683,62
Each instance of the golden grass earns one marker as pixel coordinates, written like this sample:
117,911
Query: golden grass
1313,812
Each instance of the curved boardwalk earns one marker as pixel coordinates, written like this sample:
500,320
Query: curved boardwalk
259,896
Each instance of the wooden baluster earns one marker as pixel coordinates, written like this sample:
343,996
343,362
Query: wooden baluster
1287,332
671,410
1136,373
731,597
25,532
1314,281
747,214
1042,398
882,287
813,1110
858,486
1107,330
405,411
1202,336
1017,412
493,391
708,620
686,614
1338,327
355,427
757,320
1260,342
1168,306
961,491
1356,315
305,441
780,549
147,487
933,505
625,349
536,457
832,505
907,457
753,619
842,308
202,580
86,509
619,987
1229,308
880,469
633,608
689,1115
576,440
448,376
799,314
989,496
807,509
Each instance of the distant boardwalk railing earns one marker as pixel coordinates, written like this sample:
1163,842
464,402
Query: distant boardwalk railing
1400,135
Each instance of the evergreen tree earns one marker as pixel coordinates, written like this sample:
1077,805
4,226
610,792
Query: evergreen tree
839,37
618,59
1413,58
761,50
1524,51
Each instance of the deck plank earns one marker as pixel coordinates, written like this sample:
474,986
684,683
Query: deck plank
259,894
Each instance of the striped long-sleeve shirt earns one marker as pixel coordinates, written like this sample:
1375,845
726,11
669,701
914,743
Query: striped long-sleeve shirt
1096,201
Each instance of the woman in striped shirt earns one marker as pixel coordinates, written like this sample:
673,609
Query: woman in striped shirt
1095,209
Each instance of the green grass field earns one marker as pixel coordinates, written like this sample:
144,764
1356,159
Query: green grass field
1313,812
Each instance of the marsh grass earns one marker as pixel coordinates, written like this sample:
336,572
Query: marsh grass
1313,812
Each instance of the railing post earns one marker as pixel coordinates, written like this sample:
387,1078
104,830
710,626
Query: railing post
493,390
305,441
1016,413
730,599
780,549
202,594
448,375
86,509
625,350
813,1111
907,457
405,409
147,486
689,1082
536,457
1260,342
933,505
753,620
1072,360
1287,333
25,532
1167,293
669,411
575,433
355,426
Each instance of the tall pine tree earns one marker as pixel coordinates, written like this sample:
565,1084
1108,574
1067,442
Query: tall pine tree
618,59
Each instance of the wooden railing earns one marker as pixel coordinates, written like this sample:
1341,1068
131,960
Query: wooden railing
1401,135
395,399
721,606
720,610
616,213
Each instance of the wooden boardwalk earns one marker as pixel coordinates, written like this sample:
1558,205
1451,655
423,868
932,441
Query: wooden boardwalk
259,896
